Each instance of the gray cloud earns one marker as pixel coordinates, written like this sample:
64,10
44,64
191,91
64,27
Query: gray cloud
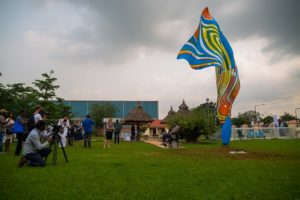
276,20
126,26
116,31
95,40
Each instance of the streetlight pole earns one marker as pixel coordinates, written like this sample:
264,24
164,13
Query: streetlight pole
296,116
256,113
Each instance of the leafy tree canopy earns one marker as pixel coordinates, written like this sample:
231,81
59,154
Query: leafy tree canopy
199,121
267,120
17,97
245,118
100,111
287,117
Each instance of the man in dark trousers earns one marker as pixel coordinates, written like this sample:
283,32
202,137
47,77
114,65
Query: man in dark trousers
87,125
132,133
118,128
19,129
34,151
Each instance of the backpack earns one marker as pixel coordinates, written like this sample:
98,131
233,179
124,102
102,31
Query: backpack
31,124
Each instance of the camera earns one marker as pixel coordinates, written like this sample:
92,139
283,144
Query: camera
53,132
56,129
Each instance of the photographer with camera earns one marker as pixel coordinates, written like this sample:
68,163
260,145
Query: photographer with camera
64,123
34,151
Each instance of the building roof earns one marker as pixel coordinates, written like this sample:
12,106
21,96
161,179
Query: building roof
138,116
156,124
183,108
170,114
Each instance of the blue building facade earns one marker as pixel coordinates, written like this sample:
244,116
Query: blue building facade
81,108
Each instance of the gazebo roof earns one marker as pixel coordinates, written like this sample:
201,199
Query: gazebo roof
183,108
138,116
170,113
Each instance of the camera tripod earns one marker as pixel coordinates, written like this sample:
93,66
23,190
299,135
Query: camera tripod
56,140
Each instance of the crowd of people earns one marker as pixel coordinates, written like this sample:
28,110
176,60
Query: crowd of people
29,133
34,135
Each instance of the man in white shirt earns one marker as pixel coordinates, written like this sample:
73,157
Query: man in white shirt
34,151
64,123
37,114
35,117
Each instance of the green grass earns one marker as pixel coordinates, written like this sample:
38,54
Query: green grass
135,170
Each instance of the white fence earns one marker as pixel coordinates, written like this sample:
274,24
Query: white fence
266,133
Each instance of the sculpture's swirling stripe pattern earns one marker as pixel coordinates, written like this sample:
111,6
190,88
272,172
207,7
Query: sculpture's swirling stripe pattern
208,47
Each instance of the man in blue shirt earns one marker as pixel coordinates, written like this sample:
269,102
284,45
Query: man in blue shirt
87,125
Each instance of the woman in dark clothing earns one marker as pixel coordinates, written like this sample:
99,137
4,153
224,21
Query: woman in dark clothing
132,132
19,129
109,131
9,131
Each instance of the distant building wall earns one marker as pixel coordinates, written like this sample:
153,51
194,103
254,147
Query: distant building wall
81,108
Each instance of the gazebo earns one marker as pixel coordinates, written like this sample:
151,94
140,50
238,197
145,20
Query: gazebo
170,114
183,109
137,116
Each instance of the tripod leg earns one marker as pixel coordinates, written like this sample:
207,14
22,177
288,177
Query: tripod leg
54,158
63,149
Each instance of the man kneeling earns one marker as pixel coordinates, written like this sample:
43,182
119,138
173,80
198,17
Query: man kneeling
34,151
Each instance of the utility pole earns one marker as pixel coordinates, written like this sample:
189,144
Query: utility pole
296,116
256,113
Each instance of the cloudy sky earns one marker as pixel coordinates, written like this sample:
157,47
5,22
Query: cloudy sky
126,49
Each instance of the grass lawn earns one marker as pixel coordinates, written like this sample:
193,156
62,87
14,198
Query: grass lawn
136,170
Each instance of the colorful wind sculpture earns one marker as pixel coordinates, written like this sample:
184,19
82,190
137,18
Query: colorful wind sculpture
208,47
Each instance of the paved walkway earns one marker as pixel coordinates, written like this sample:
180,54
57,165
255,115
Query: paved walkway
156,142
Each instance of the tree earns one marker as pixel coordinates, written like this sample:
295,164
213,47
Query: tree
267,120
46,87
287,117
208,110
100,111
17,97
53,105
239,121
245,118
199,121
